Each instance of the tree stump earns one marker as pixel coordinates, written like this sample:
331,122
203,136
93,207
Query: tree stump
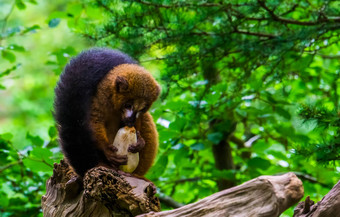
104,192
329,206
265,196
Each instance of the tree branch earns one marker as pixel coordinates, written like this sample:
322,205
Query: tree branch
329,56
311,179
328,206
240,144
260,34
187,5
10,165
169,201
296,22
266,196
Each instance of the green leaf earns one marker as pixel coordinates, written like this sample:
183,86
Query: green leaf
260,146
75,10
4,200
223,174
4,155
16,47
167,134
178,124
41,153
52,143
260,163
54,22
37,165
270,97
282,112
181,157
278,155
31,29
20,4
8,56
36,140
8,71
39,160
215,138
197,146
6,136
52,132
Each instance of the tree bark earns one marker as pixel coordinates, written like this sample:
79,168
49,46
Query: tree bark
223,161
329,206
103,192
265,196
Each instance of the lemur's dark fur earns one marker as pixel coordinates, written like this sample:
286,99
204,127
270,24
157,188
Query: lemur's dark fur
74,93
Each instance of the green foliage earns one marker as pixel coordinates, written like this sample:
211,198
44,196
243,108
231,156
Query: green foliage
260,77
23,177
326,145
33,55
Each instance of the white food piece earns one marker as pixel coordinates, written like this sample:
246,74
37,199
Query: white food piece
125,137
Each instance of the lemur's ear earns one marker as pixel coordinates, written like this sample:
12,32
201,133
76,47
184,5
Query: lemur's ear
158,90
122,84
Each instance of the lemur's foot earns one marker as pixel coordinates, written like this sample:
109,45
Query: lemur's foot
73,187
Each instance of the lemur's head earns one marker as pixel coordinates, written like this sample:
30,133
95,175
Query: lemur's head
134,92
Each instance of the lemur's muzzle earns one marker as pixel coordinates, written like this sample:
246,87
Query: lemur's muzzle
129,118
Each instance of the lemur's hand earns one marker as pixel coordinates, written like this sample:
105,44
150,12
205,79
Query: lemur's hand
138,146
113,158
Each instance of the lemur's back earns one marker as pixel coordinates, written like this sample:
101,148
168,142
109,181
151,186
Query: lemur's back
74,92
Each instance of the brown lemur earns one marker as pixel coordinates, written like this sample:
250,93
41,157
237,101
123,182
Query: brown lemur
100,91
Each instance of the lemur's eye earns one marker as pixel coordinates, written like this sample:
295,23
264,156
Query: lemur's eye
144,109
128,105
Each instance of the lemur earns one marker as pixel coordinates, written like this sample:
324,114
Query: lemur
100,91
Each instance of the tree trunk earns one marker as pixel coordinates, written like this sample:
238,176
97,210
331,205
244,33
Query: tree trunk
105,192
265,196
223,161
329,206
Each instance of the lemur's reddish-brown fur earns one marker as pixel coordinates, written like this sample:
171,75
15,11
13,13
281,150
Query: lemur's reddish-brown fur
107,105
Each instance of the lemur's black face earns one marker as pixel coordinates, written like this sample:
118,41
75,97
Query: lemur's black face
131,110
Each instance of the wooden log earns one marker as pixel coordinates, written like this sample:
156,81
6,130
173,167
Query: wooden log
329,206
103,192
265,196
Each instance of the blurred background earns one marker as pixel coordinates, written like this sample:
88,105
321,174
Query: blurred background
249,88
